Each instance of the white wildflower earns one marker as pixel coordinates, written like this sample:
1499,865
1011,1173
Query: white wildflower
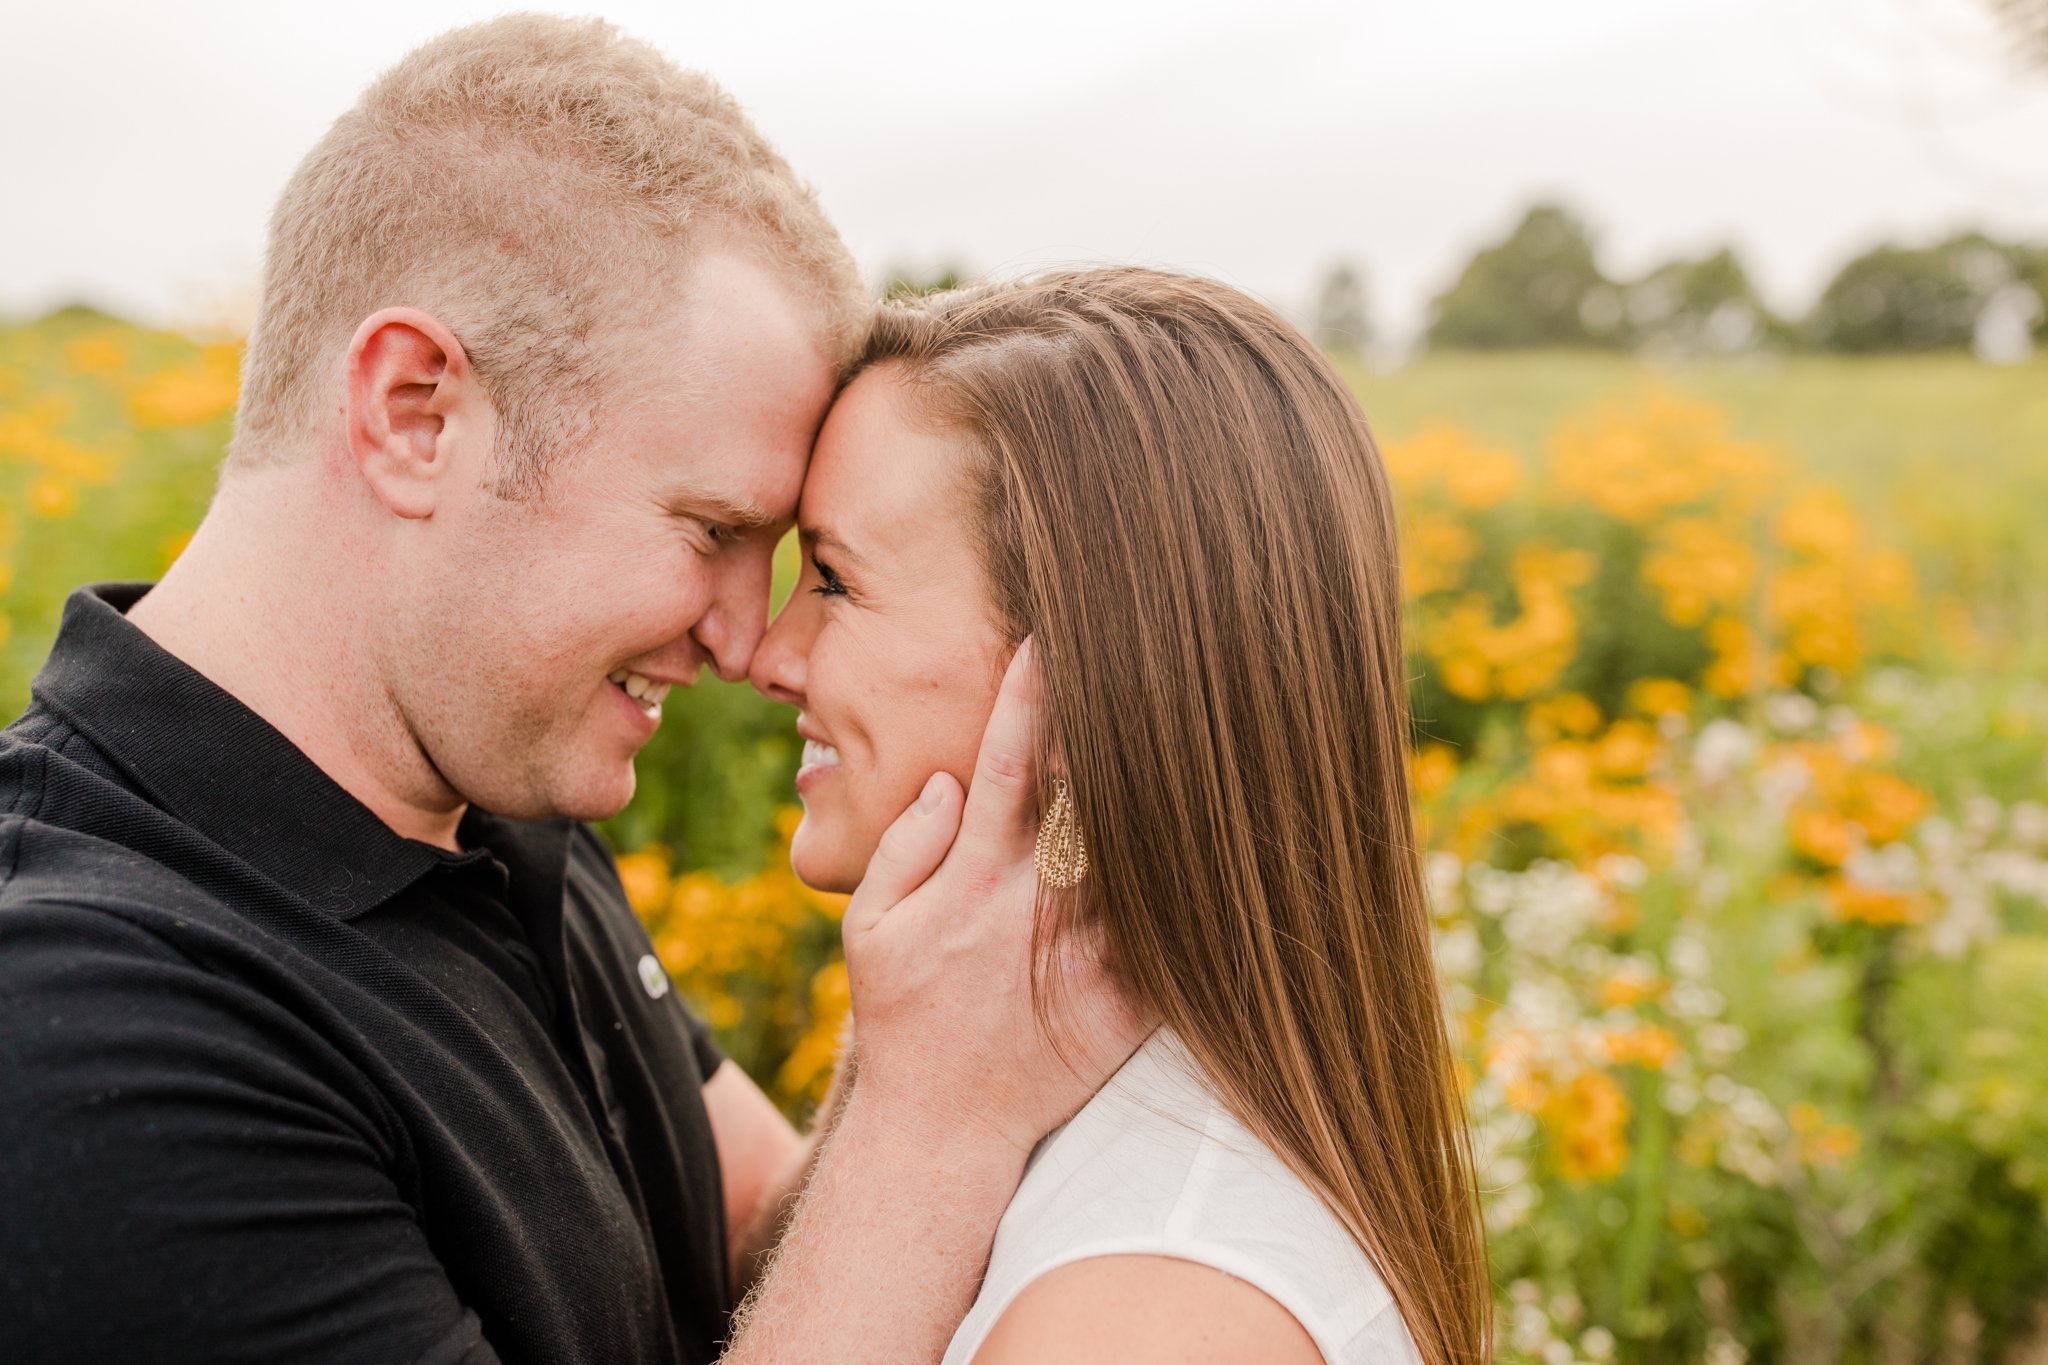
1723,747
1791,712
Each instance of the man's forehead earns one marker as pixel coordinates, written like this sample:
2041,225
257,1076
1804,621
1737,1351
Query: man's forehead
729,317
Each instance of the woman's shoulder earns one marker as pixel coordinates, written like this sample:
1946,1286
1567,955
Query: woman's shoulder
1154,1165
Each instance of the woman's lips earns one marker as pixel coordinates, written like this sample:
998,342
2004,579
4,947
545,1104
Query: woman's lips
820,761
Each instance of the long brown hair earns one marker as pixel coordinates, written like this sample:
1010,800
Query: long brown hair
1180,501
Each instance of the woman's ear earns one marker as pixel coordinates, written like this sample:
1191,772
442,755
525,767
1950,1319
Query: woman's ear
407,376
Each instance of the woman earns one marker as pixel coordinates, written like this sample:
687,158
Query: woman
1170,490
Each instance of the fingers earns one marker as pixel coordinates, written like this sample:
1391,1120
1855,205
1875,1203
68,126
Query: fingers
999,805
910,851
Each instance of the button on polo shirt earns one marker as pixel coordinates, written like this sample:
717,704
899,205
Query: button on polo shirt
278,1084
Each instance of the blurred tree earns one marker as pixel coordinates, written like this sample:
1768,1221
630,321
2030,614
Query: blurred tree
1690,307
905,281
1540,287
2028,291
2027,22
1898,299
1342,321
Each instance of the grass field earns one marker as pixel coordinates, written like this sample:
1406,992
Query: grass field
1733,759
1942,454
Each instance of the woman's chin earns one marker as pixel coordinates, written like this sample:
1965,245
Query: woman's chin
819,860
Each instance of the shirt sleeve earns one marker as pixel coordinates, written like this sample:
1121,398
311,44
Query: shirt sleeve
592,859
710,1056
186,1174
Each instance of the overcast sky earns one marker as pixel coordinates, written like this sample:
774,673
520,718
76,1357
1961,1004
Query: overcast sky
141,144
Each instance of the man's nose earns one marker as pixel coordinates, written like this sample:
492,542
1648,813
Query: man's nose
731,627
731,648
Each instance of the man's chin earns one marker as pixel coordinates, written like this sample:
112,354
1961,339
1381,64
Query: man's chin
600,800
587,796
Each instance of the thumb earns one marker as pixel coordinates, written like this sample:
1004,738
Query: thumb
909,853
999,814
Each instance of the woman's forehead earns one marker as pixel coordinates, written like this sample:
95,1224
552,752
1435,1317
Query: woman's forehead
879,479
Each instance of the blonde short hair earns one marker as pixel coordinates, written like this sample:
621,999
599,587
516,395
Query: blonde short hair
532,182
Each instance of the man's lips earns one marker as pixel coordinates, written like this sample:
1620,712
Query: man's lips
640,687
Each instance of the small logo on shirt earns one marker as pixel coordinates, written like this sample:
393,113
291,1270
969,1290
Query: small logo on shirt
653,977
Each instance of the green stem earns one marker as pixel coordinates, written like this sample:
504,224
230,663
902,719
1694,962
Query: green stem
1646,1221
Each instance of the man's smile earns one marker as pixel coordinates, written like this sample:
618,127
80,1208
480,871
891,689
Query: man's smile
645,691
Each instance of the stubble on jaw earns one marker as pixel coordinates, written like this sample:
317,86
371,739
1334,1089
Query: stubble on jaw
497,708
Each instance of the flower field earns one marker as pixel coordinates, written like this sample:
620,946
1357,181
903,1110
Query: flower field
1732,756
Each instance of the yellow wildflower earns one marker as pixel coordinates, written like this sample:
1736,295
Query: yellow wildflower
1821,1143
1475,476
1737,664
1875,905
809,1068
1848,804
1645,1045
1567,713
1823,600
1660,697
1819,523
1699,567
1433,767
1434,550
1628,988
206,388
51,497
1478,658
1587,1122
1639,459
104,355
645,875
1626,749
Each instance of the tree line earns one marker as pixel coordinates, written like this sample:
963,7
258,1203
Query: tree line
1541,286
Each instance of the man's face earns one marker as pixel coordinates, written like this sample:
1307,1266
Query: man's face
519,632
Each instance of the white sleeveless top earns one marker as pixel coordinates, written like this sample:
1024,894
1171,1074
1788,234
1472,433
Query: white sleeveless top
1154,1166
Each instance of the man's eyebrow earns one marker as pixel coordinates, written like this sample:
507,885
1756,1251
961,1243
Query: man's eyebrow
734,512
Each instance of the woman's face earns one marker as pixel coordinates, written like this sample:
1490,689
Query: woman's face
888,644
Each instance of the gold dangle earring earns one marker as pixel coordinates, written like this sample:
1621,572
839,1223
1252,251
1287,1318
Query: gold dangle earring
1061,858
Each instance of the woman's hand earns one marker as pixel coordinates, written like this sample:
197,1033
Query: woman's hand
939,952
956,1080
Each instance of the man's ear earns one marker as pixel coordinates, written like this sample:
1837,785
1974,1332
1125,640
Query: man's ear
407,377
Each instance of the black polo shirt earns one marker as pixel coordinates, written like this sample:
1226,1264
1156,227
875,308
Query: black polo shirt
279,1085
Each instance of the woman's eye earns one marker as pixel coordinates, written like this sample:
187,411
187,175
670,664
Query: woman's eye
828,581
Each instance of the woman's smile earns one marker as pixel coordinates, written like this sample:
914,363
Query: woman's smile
820,761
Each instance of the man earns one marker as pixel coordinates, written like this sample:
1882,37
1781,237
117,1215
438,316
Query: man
325,1031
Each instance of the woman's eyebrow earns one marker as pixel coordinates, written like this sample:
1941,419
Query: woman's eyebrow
818,537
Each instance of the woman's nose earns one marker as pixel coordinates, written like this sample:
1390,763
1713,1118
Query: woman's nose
780,665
